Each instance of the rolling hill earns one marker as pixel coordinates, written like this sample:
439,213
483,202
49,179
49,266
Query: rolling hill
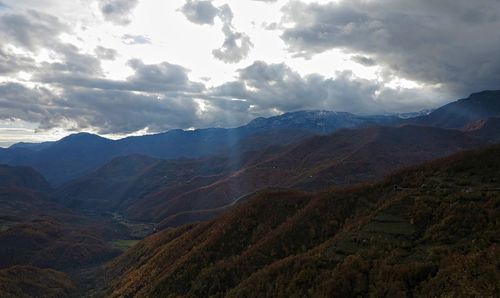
176,192
37,231
427,231
22,177
27,282
42,242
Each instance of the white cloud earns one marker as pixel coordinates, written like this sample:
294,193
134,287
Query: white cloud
204,67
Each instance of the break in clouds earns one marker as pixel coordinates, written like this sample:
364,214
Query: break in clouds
448,53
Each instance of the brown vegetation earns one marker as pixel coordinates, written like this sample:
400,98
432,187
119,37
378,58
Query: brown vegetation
428,230
26,282
176,192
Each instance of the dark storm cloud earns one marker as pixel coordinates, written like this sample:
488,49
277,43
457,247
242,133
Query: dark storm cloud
11,63
276,86
163,76
363,60
154,78
104,110
448,42
200,12
73,62
31,30
105,53
118,11
20,102
112,111
156,96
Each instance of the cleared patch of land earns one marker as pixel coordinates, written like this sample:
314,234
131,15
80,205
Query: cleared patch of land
124,244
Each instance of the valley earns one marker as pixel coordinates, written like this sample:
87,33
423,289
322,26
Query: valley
249,149
296,202
334,243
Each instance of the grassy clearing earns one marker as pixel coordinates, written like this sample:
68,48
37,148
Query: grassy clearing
123,244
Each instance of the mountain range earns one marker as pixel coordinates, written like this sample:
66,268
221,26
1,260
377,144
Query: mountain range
79,154
309,203
176,192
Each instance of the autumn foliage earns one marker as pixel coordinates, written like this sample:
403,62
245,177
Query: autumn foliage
426,231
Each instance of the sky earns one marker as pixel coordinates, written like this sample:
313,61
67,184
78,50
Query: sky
132,67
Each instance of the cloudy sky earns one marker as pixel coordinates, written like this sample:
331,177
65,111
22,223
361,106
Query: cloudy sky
122,67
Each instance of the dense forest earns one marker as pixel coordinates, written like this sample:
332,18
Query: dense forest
428,231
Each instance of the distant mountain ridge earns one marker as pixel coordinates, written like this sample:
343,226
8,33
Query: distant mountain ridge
80,153
459,114
181,191
323,122
31,146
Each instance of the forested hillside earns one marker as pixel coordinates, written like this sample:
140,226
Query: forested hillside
428,231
